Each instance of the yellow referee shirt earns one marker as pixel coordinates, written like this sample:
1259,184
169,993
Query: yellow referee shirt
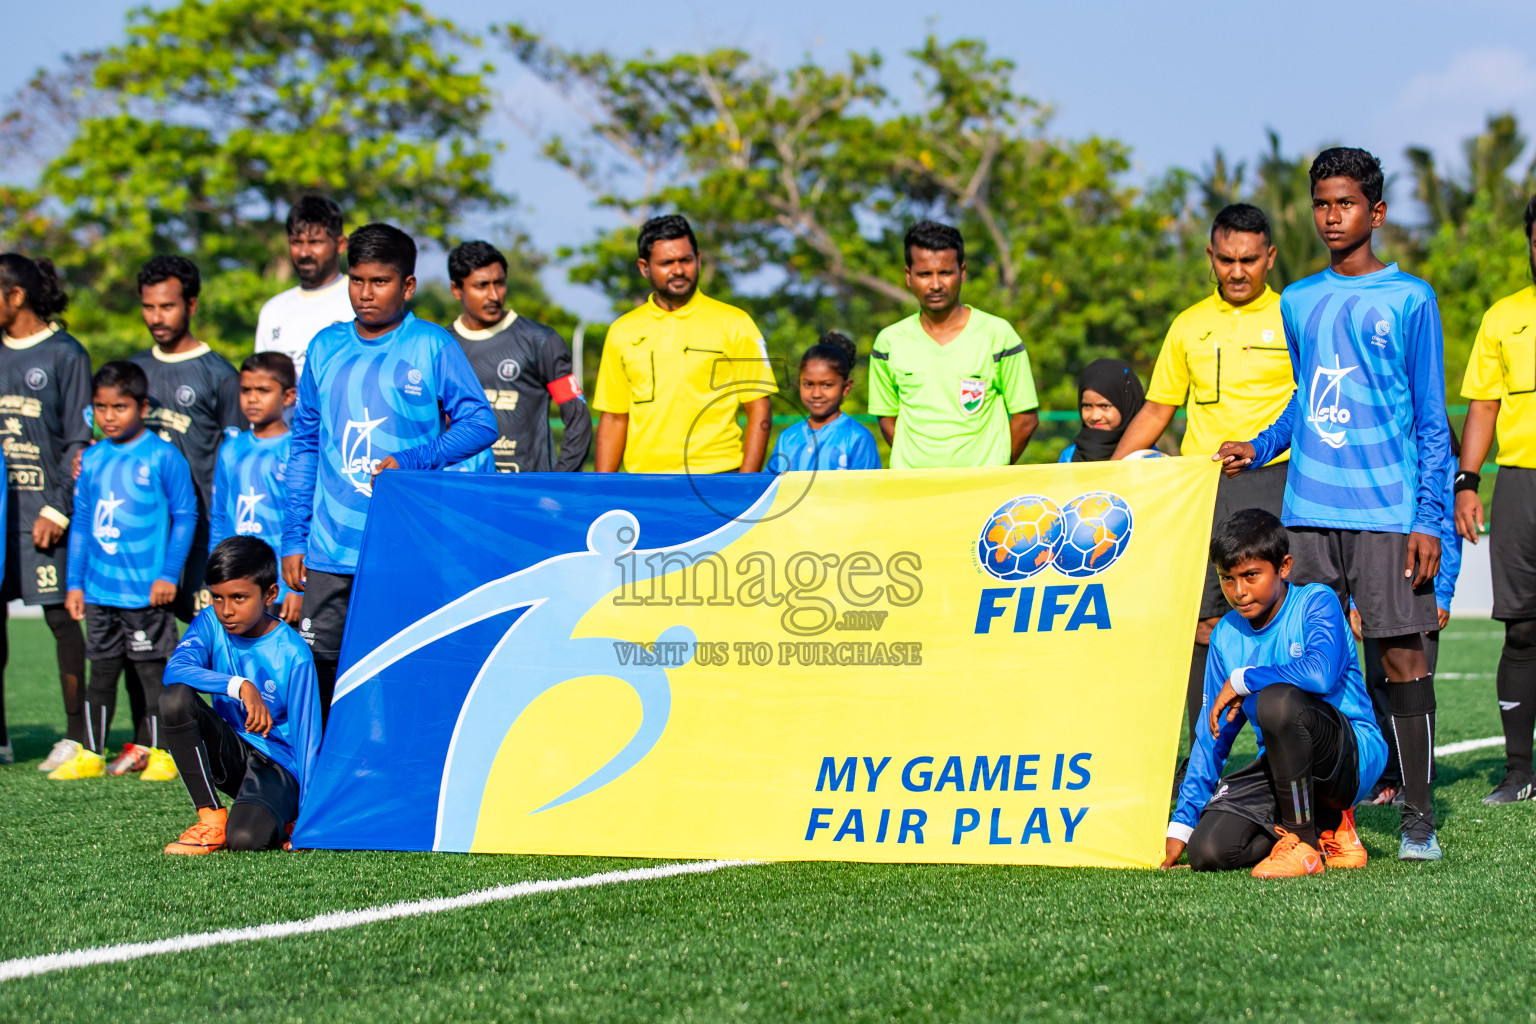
1231,364
681,377
1503,368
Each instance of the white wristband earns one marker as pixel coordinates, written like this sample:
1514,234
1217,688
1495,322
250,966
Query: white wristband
1238,683
1179,831
233,689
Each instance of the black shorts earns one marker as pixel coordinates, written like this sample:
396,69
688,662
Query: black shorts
138,634
192,594
1249,792
240,770
326,596
1368,567
1513,544
1258,488
36,577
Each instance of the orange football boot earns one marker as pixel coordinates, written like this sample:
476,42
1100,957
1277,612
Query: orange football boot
1291,858
1342,847
207,836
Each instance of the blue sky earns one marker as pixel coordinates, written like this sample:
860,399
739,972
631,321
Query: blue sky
1172,81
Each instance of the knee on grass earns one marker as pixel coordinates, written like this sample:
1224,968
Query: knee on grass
250,828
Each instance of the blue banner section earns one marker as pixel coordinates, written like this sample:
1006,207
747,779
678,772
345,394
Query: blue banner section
432,538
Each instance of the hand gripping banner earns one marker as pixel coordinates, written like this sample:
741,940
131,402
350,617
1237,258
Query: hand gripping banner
977,666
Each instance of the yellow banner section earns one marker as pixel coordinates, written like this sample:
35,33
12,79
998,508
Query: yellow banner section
978,666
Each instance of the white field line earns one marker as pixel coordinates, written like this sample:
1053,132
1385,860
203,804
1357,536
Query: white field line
24,967
1450,748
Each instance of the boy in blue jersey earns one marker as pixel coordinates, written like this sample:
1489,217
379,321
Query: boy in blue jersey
1369,440
123,575
259,740
373,396
1284,660
250,481
826,438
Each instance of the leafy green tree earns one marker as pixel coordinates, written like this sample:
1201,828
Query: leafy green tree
197,131
802,182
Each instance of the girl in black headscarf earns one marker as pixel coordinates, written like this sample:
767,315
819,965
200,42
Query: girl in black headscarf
1109,394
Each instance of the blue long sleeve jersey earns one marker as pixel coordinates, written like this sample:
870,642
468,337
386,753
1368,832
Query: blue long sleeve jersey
1308,645
842,444
361,401
210,658
143,515
1366,425
1450,542
249,491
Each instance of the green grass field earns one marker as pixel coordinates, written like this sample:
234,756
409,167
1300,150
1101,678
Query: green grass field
80,866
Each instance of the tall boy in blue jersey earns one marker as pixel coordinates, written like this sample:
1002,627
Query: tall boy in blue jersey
123,574
259,741
250,481
1369,441
1284,660
372,397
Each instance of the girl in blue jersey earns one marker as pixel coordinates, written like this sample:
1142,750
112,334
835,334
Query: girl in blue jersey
1282,660
826,439
1109,395
259,740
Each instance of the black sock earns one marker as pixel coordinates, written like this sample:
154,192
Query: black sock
1517,693
182,736
325,675
1296,814
69,644
101,702
1413,721
151,683
135,702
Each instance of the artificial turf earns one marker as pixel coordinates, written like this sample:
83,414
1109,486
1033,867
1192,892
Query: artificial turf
80,866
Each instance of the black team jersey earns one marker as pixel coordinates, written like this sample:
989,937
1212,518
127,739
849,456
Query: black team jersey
193,397
45,392
523,366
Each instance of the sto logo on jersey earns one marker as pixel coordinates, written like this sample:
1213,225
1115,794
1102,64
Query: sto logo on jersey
357,460
1327,402
246,509
103,527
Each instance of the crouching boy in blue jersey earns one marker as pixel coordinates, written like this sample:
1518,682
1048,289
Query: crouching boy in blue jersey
259,740
1284,660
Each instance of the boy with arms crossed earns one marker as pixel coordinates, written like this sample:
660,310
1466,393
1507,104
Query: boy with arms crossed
259,741
1369,441
123,573
1284,660
251,479
372,397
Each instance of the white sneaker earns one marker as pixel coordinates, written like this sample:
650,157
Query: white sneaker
62,751
7,755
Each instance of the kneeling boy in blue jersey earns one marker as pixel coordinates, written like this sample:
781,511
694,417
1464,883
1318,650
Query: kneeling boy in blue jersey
1284,660
259,740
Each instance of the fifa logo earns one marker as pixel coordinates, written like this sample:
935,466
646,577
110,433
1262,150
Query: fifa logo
246,510
357,460
103,526
1326,402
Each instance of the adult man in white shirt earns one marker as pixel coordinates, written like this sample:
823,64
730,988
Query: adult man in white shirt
316,244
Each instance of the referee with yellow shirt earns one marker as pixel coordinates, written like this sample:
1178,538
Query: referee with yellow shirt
1225,360
675,370
1500,386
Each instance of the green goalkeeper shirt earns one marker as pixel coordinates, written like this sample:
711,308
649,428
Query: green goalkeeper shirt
951,402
